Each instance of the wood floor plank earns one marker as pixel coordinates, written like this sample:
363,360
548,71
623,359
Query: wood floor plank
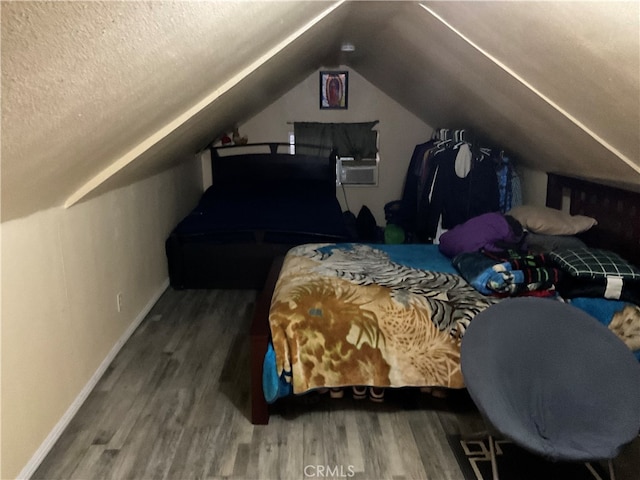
87,465
252,470
334,436
101,470
407,450
270,452
396,464
438,461
292,453
63,459
224,440
174,405
133,456
354,444
373,445
192,455
243,455
163,452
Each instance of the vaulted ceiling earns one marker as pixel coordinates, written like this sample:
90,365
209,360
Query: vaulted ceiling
96,95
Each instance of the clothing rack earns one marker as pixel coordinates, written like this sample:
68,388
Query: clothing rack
455,135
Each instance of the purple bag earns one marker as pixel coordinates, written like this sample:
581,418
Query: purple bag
493,232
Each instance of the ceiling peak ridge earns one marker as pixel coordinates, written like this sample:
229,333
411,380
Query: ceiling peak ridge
537,92
129,157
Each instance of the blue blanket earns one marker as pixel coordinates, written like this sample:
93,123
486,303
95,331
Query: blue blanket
601,309
508,274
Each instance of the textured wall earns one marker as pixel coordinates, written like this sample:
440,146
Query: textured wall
85,84
96,95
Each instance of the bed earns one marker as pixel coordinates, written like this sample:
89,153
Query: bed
263,200
382,344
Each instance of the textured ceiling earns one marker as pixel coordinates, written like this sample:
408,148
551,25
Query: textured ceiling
96,95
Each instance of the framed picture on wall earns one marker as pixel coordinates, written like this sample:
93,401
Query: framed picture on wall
334,90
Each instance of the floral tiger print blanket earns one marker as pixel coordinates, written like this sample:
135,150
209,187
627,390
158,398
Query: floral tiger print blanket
346,314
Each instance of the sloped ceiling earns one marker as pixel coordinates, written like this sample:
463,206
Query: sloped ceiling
97,95
555,82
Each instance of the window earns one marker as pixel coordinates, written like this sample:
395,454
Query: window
357,140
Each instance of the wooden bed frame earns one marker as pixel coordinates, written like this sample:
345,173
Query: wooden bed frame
616,208
260,335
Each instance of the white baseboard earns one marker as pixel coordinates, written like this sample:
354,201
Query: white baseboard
53,436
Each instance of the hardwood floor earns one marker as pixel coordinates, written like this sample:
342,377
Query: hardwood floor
175,404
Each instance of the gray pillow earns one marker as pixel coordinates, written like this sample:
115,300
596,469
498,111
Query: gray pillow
551,221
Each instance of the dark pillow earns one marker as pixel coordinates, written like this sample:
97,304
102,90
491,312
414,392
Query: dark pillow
541,243
594,263
594,272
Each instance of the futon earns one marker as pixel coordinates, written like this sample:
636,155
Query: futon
262,202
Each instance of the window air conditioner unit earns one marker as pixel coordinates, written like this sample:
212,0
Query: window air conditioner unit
357,172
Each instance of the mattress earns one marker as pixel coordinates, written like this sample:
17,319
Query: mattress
280,218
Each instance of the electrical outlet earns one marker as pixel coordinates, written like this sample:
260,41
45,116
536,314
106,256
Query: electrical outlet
119,301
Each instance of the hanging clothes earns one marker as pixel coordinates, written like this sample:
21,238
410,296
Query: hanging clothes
483,189
449,195
449,181
508,183
405,211
516,189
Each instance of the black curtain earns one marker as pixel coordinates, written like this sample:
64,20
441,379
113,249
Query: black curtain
357,140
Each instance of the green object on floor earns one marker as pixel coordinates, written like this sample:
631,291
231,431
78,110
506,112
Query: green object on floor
393,234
